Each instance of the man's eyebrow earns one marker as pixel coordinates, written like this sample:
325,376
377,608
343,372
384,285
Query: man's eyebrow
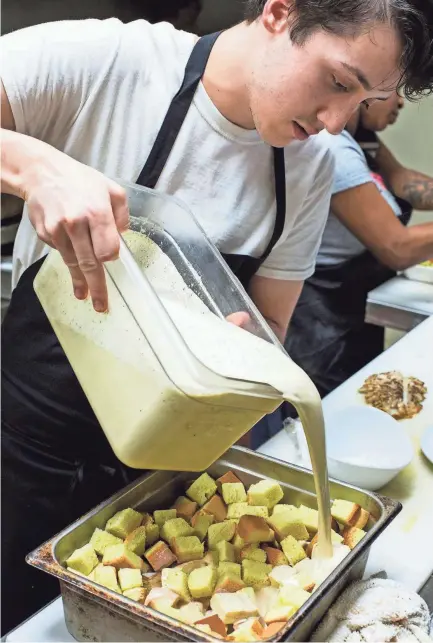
360,76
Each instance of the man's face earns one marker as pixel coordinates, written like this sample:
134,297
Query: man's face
378,116
296,91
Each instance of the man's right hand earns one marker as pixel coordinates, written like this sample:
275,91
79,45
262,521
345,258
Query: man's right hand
80,212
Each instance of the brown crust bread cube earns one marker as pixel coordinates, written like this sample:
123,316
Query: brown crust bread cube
254,529
275,556
215,624
360,519
185,508
227,477
159,556
229,583
216,507
272,629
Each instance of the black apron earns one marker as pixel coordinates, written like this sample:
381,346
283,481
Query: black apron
57,463
328,336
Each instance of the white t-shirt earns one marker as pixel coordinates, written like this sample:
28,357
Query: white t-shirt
99,90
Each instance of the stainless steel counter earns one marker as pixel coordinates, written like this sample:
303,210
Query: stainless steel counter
399,303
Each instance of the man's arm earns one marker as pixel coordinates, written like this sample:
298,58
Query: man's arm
368,216
276,299
415,187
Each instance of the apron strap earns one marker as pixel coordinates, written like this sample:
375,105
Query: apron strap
280,198
177,111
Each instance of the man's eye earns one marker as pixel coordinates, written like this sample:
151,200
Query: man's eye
366,104
340,86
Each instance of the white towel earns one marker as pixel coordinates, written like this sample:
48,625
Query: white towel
376,610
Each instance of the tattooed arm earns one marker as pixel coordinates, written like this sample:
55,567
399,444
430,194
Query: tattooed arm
415,187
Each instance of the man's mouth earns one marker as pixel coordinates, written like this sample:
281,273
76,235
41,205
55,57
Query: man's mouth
301,133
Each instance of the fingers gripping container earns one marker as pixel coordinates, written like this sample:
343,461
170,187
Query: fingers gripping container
156,367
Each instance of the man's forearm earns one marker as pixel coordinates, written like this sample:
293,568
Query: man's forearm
416,247
416,188
21,157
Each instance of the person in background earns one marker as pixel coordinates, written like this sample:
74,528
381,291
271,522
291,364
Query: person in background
225,123
365,242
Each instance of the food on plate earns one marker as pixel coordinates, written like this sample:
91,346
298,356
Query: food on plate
238,576
399,396
428,264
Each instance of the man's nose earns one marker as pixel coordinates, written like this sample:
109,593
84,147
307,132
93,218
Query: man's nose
400,102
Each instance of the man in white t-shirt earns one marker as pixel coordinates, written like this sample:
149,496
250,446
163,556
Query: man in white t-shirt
227,125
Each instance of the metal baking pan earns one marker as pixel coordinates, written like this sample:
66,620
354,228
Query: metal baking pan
94,613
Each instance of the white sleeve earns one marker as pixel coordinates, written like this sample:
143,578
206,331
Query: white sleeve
294,258
50,70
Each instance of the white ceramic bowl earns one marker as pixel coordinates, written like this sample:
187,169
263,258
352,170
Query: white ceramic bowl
366,447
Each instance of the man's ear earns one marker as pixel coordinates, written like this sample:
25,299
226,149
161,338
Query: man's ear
276,15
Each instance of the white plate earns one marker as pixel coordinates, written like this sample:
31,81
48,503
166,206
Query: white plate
420,273
427,443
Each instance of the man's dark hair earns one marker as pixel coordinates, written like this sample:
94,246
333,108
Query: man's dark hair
412,19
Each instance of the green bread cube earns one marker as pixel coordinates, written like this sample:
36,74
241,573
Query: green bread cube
175,527
130,578
238,542
226,551
120,556
265,493
83,560
201,582
233,492
122,523
220,531
211,558
187,548
229,583
161,516
177,581
136,594
293,550
202,524
291,509
239,509
255,574
253,552
229,568
106,576
285,524
152,534
202,489
310,518
101,539
136,541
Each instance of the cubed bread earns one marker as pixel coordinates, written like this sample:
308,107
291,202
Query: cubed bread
336,539
190,565
220,531
83,560
287,509
201,582
152,580
233,492
201,522
265,493
159,556
177,581
185,508
152,534
310,518
217,508
293,550
229,583
119,556
123,522
101,539
159,597
137,594
191,612
226,551
305,581
202,489
233,607
215,624
255,574
161,516
107,577
227,477
272,630
238,542
246,631
275,556
229,568
187,548
249,591
254,529
211,558
146,519
129,579
344,511
285,524
279,613
238,509
292,595
175,527
136,541
281,574
253,552
352,536
360,519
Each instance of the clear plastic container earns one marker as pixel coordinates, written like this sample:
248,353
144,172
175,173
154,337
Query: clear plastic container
157,368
